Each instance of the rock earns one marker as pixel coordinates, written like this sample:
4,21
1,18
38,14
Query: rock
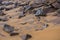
8,28
1,1
26,8
21,14
9,7
24,3
39,12
56,5
2,7
16,4
34,5
14,33
23,23
26,37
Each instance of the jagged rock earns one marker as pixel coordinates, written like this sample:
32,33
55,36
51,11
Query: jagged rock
26,37
8,28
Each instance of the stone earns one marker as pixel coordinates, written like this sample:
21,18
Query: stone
8,9
1,1
14,33
26,8
40,12
26,37
2,7
8,28
16,4
56,5
21,14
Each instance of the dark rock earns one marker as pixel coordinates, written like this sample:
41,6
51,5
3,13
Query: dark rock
8,9
26,37
14,33
8,28
16,4
2,7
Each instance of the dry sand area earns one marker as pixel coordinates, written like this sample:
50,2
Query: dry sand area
29,24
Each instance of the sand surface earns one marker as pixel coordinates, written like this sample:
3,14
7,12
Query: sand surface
52,32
